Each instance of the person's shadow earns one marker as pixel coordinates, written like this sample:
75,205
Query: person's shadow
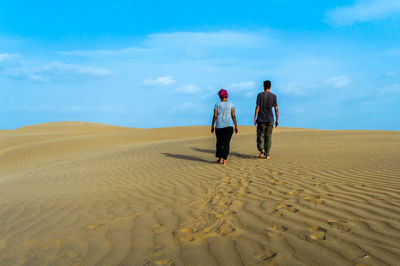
244,156
186,157
194,158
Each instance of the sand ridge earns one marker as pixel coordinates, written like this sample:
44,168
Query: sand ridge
87,194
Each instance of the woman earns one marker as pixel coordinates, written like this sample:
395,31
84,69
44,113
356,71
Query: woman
224,118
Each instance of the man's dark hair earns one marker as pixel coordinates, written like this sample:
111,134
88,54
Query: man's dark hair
267,84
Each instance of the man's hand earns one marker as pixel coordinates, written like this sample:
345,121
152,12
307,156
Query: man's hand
276,123
255,121
212,129
236,130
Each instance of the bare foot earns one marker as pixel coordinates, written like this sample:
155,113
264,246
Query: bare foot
267,157
225,162
261,154
220,160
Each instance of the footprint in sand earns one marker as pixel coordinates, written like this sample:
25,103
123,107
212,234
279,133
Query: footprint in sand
292,209
339,226
283,206
92,226
314,233
266,255
271,210
319,185
315,200
287,207
161,262
184,234
3,244
295,192
279,228
73,254
277,182
159,229
274,212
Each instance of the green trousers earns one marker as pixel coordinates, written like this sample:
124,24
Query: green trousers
264,136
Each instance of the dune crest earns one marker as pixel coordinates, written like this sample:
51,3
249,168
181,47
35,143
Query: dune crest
88,194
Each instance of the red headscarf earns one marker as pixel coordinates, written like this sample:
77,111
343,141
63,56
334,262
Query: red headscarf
223,93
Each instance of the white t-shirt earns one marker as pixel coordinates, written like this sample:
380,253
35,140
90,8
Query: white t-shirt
224,118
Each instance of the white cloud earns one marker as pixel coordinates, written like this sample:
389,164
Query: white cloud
393,52
188,89
9,59
242,86
54,72
392,89
192,44
161,81
295,110
293,88
338,82
5,57
206,39
103,52
201,44
362,11
105,109
186,106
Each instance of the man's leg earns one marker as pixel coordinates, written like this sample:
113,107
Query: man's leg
268,137
261,136
227,139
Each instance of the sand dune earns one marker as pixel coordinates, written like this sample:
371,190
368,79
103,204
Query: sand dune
75,193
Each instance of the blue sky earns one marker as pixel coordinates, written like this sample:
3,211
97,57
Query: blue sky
333,64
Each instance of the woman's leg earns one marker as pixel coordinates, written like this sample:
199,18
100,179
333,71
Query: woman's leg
219,135
227,139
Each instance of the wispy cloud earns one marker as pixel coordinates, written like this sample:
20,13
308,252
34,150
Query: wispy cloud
294,88
184,44
242,86
104,52
338,82
207,39
362,11
392,52
188,89
392,89
54,72
74,109
161,81
7,59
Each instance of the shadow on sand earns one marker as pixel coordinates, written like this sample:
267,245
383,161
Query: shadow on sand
187,157
244,156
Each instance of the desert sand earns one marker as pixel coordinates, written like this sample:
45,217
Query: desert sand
77,193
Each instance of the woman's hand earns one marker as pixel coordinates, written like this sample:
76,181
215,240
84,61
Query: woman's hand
212,129
236,130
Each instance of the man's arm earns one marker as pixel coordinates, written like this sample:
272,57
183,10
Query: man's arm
213,120
234,119
256,114
277,116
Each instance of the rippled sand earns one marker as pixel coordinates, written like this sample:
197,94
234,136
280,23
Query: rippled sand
89,194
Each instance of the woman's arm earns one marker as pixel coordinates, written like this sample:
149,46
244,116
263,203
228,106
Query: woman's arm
213,120
234,119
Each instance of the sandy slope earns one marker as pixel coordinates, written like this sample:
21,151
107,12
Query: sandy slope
91,194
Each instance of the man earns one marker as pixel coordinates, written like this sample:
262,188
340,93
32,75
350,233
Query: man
264,119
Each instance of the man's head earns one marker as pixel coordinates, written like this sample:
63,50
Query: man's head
267,85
